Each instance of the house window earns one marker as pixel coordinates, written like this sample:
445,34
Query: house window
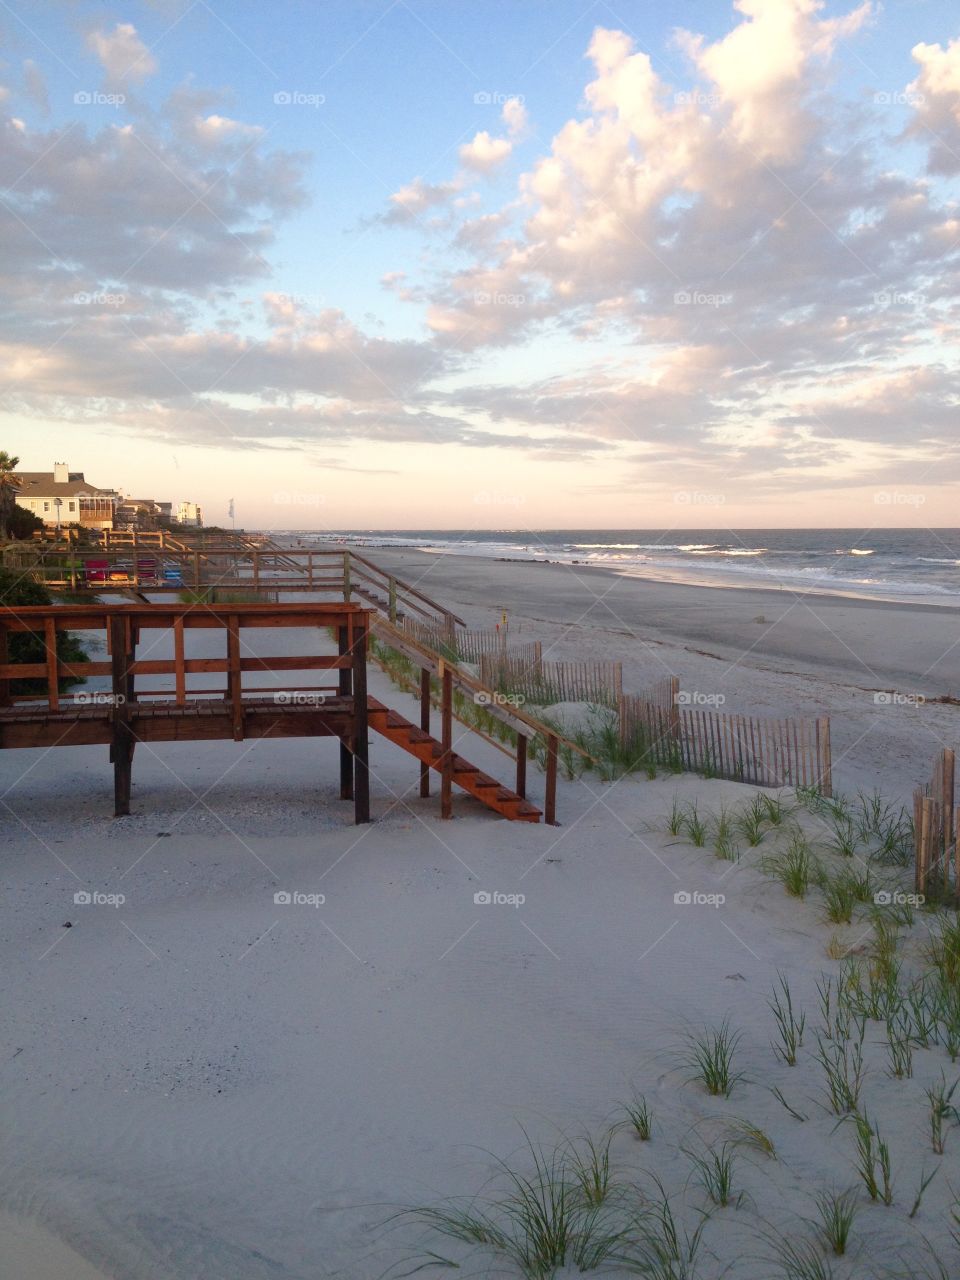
46,506
72,506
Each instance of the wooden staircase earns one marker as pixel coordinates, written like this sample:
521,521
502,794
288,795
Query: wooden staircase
429,751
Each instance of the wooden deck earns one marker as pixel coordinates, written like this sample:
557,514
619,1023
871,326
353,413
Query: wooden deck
176,709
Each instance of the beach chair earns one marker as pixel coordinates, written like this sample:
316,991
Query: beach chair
146,569
95,572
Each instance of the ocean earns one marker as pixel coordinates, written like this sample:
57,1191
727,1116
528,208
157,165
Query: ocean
897,564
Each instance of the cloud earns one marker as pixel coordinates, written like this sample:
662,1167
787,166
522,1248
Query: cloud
410,203
484,152
122,54
935,96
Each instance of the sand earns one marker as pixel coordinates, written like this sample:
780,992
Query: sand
201,1082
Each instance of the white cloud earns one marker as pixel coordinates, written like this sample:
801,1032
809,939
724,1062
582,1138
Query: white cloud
485,152
935,95
122,54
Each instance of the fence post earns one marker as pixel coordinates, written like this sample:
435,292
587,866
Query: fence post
824,757
946,824
446,720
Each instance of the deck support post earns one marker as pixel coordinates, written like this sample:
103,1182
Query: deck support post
361,743
345,689
550,800
446,722
121,750
521,787
425,726
5,696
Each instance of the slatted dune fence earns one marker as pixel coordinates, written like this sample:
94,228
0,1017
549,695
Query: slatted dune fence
472,646
767,753
546,683
936,824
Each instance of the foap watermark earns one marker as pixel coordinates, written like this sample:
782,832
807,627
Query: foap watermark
494,498
897,898
298,299
697,98
297,898
299,698
98,698
100,299
694,898
494,98
891,698
297,98
697,298
696,698
287,498
898,498
695,498
899,298
485,898
94,898
483,299
493,698
898,98
94,98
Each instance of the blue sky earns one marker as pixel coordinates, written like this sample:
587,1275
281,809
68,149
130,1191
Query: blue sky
351,271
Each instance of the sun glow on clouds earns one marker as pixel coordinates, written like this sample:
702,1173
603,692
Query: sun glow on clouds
719,274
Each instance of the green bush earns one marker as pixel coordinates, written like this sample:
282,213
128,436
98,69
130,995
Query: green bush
26,647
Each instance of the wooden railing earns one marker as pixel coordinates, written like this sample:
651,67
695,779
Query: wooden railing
452,676
129,710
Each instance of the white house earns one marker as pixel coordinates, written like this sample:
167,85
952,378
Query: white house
64,497
189,513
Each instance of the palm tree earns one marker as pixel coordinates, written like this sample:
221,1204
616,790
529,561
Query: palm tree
9,485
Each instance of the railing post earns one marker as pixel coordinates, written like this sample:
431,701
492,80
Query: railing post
256,570
346,576
196,569
521,787
425,726
361,744
5,696
392,590
121,750
446,721
550,801
345,689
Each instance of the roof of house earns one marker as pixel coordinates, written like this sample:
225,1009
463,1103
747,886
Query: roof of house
41,484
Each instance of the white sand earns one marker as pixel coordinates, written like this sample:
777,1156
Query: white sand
201,1083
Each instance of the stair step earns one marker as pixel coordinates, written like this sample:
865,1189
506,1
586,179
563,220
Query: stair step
425,747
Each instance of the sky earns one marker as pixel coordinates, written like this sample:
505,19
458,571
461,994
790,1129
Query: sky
510,264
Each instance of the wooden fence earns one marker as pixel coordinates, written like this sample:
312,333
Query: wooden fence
471,646
546,683
767,753
936,824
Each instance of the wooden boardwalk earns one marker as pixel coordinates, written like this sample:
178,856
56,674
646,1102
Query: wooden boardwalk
254,696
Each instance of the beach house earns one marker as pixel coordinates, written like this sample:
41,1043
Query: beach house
65,497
